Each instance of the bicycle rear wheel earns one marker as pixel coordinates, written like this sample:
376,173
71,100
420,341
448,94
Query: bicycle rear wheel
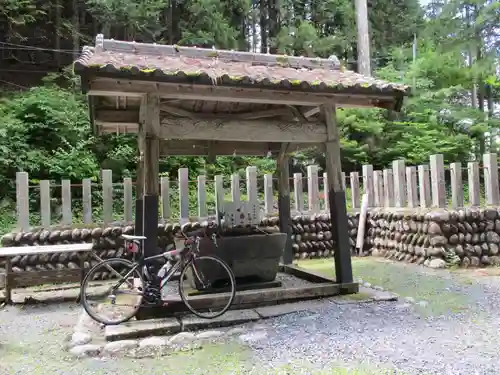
204,275
111,292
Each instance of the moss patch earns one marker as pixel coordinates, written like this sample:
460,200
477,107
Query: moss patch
405,280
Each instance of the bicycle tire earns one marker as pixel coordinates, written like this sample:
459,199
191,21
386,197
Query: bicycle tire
231,278
83,298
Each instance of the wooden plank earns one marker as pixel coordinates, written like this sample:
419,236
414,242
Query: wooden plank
165,198
355,193
235,187
298,192
22,201
33,278
184,194
87,200
45,203
474,183
268,194
46,249
107,195
388,188
378,189
67,218
326,189
457,185
367,171
202,196
313,188
491,179
424,186
127,200
252,191
438,181
242,130
411,180
219,196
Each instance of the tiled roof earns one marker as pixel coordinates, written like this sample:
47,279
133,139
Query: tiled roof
198,65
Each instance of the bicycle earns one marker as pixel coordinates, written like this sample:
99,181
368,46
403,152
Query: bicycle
147,285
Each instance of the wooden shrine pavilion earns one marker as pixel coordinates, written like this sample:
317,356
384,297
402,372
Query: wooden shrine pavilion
194,101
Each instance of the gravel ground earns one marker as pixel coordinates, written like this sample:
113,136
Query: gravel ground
455,335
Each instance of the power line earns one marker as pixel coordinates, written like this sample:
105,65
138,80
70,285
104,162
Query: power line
34,48
14,84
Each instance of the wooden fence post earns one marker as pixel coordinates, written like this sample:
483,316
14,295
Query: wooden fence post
474,183
457,186
367,171
184,195
23,201
87,200
45,203
378,189
268,193
127,200
165,198
438,181
355,196
424,186
388,188
107,195
202,196
219,197
252,189
67,218
491,179
411,181
313,188
399,173
235,187
298,192
325,189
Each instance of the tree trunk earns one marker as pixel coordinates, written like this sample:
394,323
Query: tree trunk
274,22
263,26
76,29
57,45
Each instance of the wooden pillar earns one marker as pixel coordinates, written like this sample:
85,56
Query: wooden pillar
336,198
150,121
285,215
139,184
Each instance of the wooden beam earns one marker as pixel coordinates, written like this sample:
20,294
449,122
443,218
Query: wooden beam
135,88
175,111
150,121
252,131
336,197
283,171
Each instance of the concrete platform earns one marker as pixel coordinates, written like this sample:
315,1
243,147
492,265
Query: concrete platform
144,328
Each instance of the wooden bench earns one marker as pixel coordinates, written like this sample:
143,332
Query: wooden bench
39,277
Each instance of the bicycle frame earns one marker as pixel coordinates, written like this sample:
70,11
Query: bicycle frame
145,261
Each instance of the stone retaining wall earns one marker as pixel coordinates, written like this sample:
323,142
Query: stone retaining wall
436,238
312,238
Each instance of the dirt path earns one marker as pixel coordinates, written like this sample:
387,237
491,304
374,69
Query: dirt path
444,323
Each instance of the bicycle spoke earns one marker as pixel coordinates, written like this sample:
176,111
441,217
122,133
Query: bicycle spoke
120,301
207,275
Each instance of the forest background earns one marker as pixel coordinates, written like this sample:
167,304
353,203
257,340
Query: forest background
448,51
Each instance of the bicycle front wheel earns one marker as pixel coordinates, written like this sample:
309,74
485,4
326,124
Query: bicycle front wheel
112,291
207,275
